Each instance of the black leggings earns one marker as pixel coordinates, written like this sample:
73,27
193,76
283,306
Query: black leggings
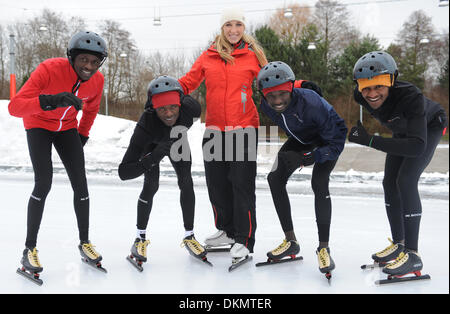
401,194
151,185
69,148
278,179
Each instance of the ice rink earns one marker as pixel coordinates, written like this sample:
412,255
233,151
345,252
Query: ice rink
359,227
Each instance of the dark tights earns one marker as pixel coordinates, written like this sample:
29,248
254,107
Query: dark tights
278,179
69,148
401,194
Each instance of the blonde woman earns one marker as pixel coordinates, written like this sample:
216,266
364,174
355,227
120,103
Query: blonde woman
228,68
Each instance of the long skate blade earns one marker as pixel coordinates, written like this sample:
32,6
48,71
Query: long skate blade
217,249
204,260
280,261
401,279
135,263
29,276
328,276
97,266
235,265
373,266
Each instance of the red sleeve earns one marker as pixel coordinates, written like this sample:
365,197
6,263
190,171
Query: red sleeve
26,101
90,111
192,80
298,83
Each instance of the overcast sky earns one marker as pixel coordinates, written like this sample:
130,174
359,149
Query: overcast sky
189,25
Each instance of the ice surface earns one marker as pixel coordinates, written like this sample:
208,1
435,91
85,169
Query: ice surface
359,227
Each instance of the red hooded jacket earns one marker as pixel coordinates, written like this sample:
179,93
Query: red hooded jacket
51,77
229,100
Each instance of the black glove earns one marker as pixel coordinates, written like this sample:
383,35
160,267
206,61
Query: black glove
156,155
313,86
358,134
83,139
64,99
293,159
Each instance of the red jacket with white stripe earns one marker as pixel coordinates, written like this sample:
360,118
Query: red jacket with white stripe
51,77
229,100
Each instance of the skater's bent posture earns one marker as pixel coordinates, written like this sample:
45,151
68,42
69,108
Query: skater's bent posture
316,135
167,110
49,103
417,124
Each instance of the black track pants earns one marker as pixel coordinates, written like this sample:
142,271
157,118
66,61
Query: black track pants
278,179
151,185
230,178
69,148
401,194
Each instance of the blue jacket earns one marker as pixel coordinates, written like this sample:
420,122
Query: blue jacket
310,119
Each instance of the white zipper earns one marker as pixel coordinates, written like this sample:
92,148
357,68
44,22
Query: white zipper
284,119
64,114
60,120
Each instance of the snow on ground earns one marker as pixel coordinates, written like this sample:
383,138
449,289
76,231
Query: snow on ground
359,227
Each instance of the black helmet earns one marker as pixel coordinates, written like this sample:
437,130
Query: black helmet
159,85
86,41
163,84
373,64
274,74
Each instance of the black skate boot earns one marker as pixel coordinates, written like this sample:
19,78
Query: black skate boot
285,252
138,253
388,254
287,248
31,267
326,263
406,263
90,256
195,248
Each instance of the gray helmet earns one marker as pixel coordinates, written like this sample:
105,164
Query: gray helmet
89,42
373,64
163,84
274,74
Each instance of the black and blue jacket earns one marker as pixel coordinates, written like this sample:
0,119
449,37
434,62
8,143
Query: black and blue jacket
311,120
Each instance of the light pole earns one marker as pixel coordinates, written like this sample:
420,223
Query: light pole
12,67
312,46
106,99
288,12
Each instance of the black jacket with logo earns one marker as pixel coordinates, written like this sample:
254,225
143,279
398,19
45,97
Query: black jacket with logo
408,114
150,131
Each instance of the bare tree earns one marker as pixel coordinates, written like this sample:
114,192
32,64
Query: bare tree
414,48
117,67
417,36
331,19
290,29
3,70
42,37
169,64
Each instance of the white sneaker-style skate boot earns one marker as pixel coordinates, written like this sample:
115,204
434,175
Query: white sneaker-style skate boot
218,240
239,251
239,256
